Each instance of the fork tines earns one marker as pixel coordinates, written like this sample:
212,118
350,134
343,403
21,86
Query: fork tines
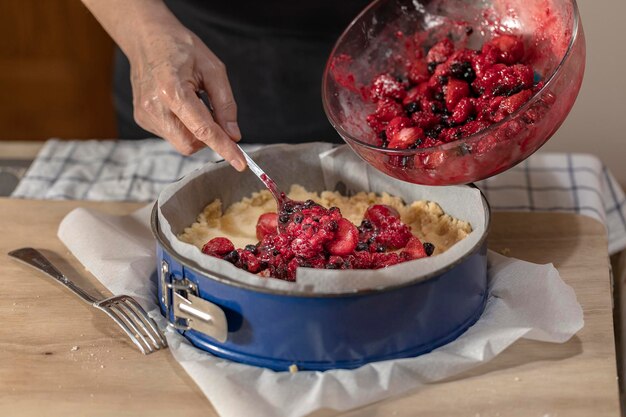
135,322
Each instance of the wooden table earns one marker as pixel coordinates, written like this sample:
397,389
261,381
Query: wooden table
42,373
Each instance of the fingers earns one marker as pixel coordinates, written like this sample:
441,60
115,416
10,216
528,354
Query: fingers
216,84
196,117
162,122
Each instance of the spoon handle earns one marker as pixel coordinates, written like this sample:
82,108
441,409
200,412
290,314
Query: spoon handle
269,183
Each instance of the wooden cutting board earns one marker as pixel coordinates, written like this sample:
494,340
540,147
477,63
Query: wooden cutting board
60,357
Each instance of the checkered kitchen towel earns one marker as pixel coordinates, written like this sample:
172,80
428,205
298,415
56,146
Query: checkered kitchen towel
138,170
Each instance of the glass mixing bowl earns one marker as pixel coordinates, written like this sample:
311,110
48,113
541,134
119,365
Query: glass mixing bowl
382,36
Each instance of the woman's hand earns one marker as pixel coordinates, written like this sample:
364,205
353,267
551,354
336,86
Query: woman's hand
169,65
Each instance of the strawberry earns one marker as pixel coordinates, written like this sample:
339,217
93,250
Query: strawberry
266,225
379,214
415,94
396,125
405,138
434,159
414,249
218,247
509,104
472,127
511,48
455,90
345,240
462,111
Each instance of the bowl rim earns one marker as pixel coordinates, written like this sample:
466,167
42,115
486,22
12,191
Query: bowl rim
456,143
223,279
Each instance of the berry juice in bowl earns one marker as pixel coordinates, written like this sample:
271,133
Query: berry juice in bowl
450,92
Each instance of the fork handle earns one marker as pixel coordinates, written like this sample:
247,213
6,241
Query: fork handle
34,258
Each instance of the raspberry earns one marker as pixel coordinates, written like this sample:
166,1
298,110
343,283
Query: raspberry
388,109
418,72
440,51
425,120
385,86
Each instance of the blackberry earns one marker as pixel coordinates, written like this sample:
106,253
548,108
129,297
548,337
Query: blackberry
429,248
410,109
362,246
283,218
309,203
275,252
366,225
333,225
514,90
298,218
380,248
232,257
437,107
443,80
463,71
288,207
434,132
431,67
251,248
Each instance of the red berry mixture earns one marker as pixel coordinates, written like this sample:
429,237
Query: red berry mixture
450,94
316,237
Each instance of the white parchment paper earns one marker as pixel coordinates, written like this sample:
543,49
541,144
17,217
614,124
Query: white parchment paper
317,167
525,301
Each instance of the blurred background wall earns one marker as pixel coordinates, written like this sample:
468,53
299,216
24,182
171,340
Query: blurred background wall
55,75
596,124
55,71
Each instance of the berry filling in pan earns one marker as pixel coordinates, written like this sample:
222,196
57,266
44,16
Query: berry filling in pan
376,232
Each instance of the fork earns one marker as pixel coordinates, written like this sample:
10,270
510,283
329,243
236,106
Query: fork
124,310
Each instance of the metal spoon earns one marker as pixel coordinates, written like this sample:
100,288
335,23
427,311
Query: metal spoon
280,197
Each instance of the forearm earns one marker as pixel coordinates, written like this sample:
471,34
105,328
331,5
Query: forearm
130,21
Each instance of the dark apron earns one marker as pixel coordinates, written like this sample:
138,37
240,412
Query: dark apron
275,53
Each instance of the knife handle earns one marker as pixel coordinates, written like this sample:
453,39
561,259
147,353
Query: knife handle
34,258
